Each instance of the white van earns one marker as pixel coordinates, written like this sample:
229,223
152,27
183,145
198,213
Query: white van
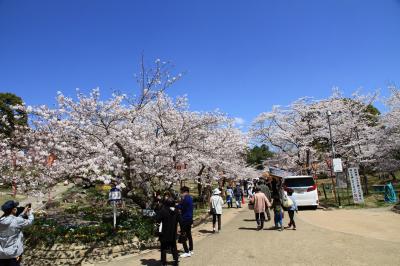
305,189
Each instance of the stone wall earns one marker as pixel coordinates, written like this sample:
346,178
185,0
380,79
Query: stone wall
77,254
73,254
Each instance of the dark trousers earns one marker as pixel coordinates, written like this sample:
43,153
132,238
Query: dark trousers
260,218
10,262
165,246
187,230
291,217
215,217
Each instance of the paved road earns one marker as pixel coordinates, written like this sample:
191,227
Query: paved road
240,244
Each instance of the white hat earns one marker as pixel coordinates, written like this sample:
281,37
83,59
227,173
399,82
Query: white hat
216,191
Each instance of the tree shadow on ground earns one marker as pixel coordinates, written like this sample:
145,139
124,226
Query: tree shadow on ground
205,231
150,262
248,228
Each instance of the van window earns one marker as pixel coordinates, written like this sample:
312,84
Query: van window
300,182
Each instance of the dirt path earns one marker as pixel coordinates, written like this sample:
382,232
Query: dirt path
240,244
200,232
379,223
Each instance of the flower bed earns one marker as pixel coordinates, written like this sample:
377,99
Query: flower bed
80,227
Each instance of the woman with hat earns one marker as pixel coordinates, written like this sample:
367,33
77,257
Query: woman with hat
11,237
216,203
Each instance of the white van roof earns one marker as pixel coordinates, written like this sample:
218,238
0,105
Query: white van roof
298,176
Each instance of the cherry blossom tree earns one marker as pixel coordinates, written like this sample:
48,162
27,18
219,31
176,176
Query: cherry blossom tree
388,141
137,140
300,132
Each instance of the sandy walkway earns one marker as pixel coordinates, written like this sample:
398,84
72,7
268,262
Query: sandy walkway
198,233
380,223
327,243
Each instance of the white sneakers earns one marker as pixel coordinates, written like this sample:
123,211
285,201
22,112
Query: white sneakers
191,252
185,255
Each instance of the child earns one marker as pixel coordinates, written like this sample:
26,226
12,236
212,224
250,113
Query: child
278,212
292,209
229,195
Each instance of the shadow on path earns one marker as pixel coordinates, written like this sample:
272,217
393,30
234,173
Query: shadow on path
248,228
150,262
249,220
271,228
203,231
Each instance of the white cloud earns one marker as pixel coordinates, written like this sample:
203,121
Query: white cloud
239,121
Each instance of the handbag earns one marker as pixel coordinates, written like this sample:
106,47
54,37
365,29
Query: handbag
213,211
287,202
251,204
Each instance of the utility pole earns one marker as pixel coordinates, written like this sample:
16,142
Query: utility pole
337,196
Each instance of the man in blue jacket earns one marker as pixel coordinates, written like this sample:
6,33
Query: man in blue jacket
186,207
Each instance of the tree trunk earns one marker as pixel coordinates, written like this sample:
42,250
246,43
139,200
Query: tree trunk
394,178
199,187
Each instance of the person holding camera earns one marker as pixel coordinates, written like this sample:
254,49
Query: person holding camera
11,237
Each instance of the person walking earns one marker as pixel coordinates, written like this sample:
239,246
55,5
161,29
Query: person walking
238,195
278,212
11,237
261,203
292,209
216,203
168,218
250,191
245,184
267,192
186,208
229,196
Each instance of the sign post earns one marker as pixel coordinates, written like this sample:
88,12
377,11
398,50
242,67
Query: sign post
114,196
356,188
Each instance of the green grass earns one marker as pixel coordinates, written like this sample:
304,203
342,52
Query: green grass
372,200
6,195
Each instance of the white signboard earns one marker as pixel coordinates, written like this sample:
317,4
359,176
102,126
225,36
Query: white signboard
337,165
356,185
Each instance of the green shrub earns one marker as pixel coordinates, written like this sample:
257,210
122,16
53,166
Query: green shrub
48,232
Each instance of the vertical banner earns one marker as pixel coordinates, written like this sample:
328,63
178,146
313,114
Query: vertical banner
356,185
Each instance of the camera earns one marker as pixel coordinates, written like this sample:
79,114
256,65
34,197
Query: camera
21,209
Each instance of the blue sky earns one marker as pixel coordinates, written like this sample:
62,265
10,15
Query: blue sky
239,56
